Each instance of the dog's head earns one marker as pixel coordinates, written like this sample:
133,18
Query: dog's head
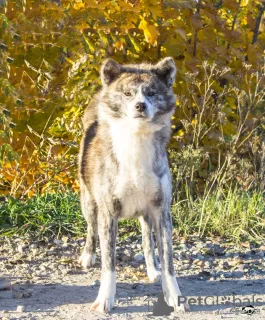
141,93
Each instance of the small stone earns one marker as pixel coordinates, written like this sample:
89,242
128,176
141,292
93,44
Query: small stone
20,308
200,245
139,257
208,264
260,254
35,252
51,252
235,262
65,239
238,274
42,268
57,242
127,255
5,286
184,267
227,274
218,250
17,294
61,267
21,248
200,263
183,246
208,251
195,252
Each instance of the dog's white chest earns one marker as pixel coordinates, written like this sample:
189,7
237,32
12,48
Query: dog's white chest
136,183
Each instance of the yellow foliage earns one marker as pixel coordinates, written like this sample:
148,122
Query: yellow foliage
244,3
151,33
48,76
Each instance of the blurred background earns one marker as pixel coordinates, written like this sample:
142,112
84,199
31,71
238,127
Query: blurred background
50,55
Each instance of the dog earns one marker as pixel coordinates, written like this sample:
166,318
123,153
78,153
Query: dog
124,170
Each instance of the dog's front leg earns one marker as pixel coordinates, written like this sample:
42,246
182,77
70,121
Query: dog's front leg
107,226
163,229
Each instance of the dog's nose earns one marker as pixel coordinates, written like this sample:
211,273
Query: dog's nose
140,106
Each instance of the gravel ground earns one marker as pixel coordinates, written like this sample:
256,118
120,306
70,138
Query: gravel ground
41,279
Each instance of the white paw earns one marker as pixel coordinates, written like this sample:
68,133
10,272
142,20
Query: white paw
106,296
87,260
153,274
103,304
172,292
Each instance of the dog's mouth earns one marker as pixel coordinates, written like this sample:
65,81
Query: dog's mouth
141,117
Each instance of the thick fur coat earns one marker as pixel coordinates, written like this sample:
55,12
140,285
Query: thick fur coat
124,170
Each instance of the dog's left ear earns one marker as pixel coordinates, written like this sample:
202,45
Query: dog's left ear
166,71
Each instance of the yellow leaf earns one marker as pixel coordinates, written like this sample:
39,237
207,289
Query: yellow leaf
180,133
90,44
135,43
150,31
79,6
244,3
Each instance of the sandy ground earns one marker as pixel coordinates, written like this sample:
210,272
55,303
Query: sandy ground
68,293
71,298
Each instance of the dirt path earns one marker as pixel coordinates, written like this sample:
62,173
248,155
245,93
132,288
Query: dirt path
49,285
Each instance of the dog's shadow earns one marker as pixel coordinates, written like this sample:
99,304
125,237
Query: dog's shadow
140,297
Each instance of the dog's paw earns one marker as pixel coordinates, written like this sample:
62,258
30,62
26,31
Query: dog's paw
153,275
106,296
87,260
172,301
172,293
103,304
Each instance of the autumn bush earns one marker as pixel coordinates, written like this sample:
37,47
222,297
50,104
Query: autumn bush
50,55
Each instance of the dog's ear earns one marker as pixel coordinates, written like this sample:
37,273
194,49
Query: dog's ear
110,71
166,71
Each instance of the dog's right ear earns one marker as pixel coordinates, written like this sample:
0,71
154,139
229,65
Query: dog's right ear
110,71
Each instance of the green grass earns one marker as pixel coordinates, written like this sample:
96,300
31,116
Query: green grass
234,214
49,214
239,215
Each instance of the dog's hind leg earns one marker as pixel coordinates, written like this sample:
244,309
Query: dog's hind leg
148,247
107,236
89,211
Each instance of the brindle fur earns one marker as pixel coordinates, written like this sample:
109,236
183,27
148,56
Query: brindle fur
124,172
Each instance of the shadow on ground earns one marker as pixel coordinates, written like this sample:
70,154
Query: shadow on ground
134,298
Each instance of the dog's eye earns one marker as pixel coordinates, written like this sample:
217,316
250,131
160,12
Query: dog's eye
127,93
151,94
